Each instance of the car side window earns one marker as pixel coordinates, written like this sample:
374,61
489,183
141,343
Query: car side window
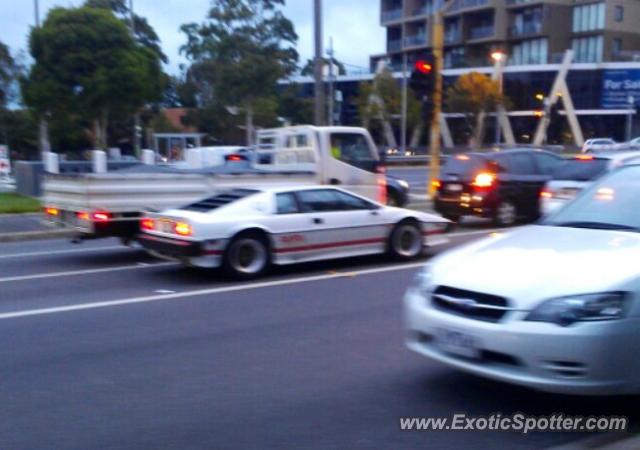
520,164
547,164
349,202
321,200
287,203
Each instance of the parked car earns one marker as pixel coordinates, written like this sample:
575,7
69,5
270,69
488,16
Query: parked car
503,186
577,173
552,306
633,144
246,230
598,145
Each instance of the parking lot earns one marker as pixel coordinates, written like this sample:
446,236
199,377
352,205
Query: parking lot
106,347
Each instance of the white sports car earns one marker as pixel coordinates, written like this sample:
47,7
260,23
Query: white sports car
553,306
245,230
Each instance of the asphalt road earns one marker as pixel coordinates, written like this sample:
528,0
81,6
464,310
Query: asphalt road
417,177
104,347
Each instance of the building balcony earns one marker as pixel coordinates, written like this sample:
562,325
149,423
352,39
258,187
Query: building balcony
481,32
459,5
422,11
415,41
394,45
525,29
391,15
522,2
452,37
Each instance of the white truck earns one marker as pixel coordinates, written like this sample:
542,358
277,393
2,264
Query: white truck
110,204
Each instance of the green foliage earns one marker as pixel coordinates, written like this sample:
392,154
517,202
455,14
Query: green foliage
8,74
293,107
238,55
13,204
87,64
18,129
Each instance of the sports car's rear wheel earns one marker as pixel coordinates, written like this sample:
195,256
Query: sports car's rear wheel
405,241
247,257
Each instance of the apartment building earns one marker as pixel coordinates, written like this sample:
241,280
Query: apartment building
529,31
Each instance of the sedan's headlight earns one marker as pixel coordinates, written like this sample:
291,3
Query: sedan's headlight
404,184
422,283
566,311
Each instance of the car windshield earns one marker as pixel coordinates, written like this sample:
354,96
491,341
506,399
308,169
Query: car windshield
584,169
612,203
464,165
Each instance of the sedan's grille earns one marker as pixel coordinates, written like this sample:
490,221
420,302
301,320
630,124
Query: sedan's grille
474,305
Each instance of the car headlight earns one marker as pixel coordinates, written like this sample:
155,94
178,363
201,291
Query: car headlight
423,281
566,311
404,184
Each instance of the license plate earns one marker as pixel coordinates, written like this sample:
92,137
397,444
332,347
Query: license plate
454,187
165,226
458,343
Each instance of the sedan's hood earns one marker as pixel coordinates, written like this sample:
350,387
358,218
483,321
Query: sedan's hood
540,262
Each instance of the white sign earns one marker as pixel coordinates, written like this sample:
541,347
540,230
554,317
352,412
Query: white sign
5,164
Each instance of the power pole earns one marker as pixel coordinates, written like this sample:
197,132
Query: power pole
318,64
137,129
330,54
43,125
438,46
37,12
403,125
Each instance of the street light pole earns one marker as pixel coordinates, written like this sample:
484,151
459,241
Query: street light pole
36,7
330,54
137,129
403,137
318,64
631,102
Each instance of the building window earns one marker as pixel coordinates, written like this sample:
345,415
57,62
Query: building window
588,49
618,13
617,46
534,51
588,17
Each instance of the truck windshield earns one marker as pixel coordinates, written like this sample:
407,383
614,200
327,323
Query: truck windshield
354,149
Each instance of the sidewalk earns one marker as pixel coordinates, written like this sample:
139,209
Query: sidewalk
21,227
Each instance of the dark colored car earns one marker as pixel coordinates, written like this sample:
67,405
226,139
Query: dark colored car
397,192
503,186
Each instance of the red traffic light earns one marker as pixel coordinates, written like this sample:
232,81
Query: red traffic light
424,66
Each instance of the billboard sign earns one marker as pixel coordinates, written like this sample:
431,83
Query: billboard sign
618,86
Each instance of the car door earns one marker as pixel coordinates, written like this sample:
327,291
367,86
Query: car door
521,181
341,224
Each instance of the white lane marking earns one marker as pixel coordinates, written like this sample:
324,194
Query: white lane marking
197,293
83,272
62,252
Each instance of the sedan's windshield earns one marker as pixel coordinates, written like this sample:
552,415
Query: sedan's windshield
612,203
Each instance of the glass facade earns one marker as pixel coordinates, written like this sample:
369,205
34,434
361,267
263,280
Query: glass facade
534,51
587,49
588,17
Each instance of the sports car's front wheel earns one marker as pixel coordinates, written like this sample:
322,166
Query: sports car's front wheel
405,241
246,257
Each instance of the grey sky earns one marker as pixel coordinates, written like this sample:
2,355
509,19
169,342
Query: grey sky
354,24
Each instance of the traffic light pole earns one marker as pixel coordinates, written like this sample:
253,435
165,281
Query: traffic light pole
438,46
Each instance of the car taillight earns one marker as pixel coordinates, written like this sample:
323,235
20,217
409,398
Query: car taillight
484,180
83,215
585,158
182,228
52,211
382,185
101,216
546,194
147,224
437,184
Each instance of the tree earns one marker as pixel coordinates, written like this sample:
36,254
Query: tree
9,71
239,54
87,64
380,101
472,95
309,68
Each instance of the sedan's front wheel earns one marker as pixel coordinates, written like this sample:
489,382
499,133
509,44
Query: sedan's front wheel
405,242
246,257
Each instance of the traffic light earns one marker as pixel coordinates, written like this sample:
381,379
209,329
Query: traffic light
423,77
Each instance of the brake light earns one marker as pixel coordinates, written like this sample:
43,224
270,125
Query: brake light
584,158
437,184
101,216
82,215
183,229
147,224
462,158
546,194
235,158
52,211
484,180
382,185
